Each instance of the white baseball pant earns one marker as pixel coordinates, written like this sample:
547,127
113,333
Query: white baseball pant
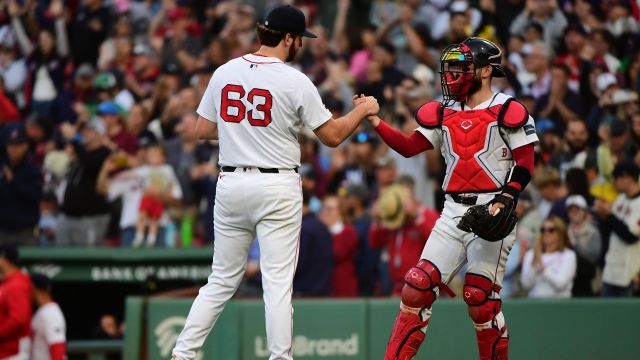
248,205
449,248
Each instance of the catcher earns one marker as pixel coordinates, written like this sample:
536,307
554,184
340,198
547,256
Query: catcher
487,141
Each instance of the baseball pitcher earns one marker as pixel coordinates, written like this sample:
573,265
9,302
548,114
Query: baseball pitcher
487,142
256,105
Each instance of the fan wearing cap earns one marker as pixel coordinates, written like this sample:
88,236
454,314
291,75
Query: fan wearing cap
20,190
15,306
48,323
256,106
362,170
586,241
401,226
622,261
487,141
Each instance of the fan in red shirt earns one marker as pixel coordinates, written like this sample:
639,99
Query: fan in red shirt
344,281
15,307
402,225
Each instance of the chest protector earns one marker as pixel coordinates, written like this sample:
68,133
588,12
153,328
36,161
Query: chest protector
474,143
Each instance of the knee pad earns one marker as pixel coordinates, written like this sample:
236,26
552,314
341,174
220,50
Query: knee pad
419,285
476,293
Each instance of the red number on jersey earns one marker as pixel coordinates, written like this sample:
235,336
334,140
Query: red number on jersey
264,107
232,103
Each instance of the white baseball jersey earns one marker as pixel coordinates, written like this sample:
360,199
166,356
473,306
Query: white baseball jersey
260,104
622,261
49,328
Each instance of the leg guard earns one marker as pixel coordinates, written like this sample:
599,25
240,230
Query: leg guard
484,310
418,294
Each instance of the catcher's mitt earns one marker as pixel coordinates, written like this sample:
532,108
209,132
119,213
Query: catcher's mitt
490,227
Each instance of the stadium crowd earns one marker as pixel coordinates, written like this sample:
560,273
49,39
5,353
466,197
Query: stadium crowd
97,127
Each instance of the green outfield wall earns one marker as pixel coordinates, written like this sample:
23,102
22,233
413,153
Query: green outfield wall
359,329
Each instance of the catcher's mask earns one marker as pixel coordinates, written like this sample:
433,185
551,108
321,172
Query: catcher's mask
458,65
457,70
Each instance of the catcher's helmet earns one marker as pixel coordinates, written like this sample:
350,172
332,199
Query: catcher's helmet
459,61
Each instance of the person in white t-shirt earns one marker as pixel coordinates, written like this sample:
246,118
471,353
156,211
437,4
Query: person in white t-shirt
48,324
256,106
130,184
549,268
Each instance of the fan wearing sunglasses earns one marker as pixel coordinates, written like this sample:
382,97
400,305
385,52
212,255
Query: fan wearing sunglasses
549,268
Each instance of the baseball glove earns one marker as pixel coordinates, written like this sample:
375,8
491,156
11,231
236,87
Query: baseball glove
496,227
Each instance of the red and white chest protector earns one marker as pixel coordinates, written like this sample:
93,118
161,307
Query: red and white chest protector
474,143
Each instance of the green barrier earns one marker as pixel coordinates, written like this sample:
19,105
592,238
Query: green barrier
359,329
582,329
118,265
166,318
134,317
323,330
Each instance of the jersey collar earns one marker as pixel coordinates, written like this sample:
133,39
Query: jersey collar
261,59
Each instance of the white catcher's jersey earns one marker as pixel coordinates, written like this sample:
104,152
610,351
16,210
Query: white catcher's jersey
260,104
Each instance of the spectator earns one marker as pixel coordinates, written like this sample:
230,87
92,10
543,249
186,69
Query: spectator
48,324
402,225
13,68
119,136
140,77
48,219
15,306
308,179
361,58
20,191
585,11
622,261
529,222
345,249
577,48
586,242
536,62
122,177
109,89
619,18
90,29
575,154
355,204
622,148
108,329
46,61
576,183
386,173
550,186
561,104
315,257
549,268
193,163
84,213
310,155
360,170
158,190
547,14
603,44
121,29
182,42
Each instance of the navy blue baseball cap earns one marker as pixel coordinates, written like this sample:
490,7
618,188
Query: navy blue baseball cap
288,19
9,252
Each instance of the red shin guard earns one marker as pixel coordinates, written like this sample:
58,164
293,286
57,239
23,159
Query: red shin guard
418,294
491,330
